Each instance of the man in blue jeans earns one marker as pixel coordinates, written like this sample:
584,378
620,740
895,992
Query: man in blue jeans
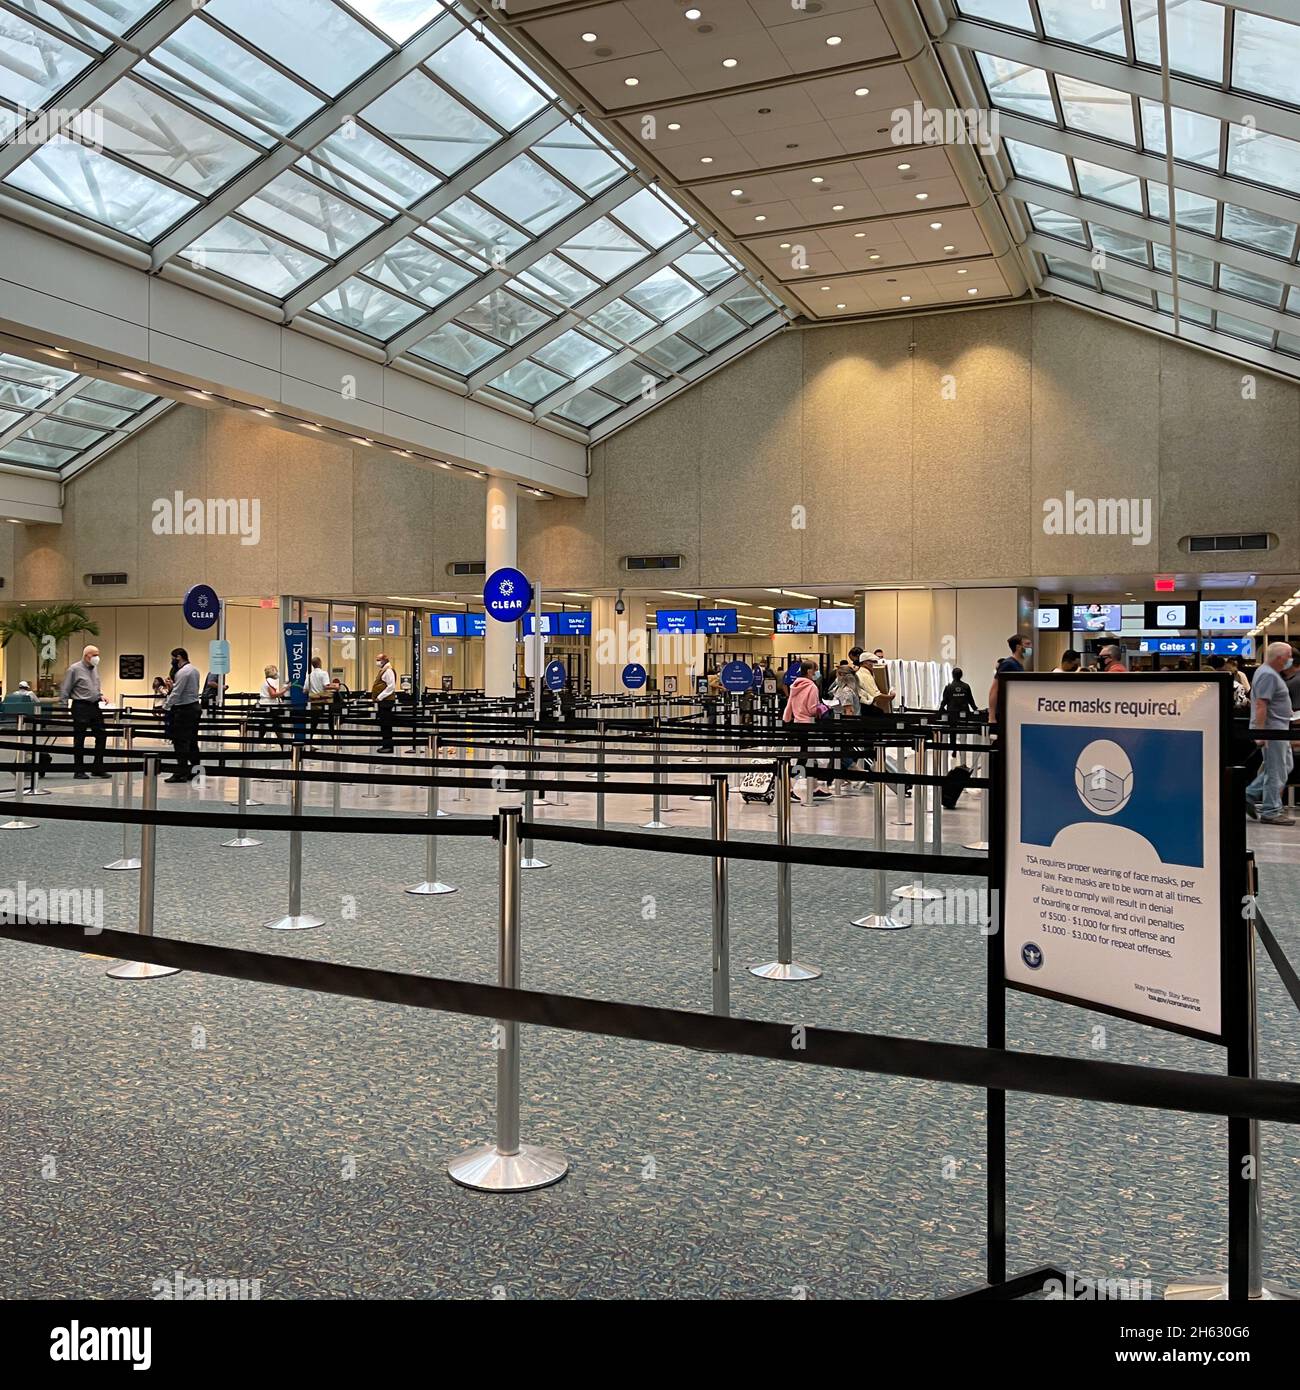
1270,708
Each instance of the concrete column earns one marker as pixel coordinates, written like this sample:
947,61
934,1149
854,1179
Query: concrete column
502,548
616,640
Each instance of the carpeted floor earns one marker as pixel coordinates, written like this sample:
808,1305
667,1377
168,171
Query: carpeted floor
236,1131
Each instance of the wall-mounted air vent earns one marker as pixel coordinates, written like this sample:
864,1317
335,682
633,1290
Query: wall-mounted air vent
98,581
458,567
652,562
1249,540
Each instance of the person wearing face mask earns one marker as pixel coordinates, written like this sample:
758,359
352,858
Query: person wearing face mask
81,687
805,707
384,691
182,703
1270,708
1020,653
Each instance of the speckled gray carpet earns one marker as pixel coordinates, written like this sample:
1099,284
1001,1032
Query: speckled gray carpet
230,1130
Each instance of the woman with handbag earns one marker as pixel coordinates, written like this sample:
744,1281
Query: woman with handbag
805,707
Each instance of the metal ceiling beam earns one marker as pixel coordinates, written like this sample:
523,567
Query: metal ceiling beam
320,127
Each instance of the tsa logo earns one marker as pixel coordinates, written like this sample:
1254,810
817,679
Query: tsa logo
1031,955
1103,777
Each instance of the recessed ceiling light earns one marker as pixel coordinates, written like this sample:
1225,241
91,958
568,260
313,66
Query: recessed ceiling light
825,287
706,159
737,192
875,256
859,234
728,62
906,298
589,38
936,226
692,14
785,246
817,178
674,125
921,197
760,218
962,271
834,40
861,91
972,291
631,81
841,306
949,248
903,168
837,207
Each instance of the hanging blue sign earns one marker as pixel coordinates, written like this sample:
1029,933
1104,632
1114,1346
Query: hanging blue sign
556,675
737,676
297,642
1228,646
507,594
1168,646
201,606
634,675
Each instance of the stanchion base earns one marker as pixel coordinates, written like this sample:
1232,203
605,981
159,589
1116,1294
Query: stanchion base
980,845
249,801
129,862
701,797
440,813
656,825
531,863
431,887
913,893
785,970
27,791
300,922
876,921
487,1169
1216,1291
18,825
240,842
140,970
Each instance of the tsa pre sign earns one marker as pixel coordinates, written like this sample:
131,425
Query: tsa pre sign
1112,890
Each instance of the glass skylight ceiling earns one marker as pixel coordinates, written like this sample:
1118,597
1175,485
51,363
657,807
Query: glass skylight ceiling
385,167
1077,88
57,420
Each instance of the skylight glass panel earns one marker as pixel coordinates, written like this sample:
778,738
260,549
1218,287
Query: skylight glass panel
9,122
557,279
1195,211
1096,24
9,418
622,321
710,331
1250,286
75,177
1124,289
1053,223
472,66
114,394
1067,270
650,218
1042,166
358,304
571,152
416,269
1288,342
751,304
213,72
673,354
1096,110
87,412
528,382
1115,243
1013,13
504,317
457,349
1109,185
629,381
117,16
67,436
164,139
430,123
302,211
604,250
1243,328
586,408
1259,230
663,294
25,451
470,227
242,253
37,64
706,267
527,194
1016,87
1196,137
1198,269
356,162
399,19
571,353
1195,29
1293,300
1188,309
1266,56
1271,160
71,25
316,39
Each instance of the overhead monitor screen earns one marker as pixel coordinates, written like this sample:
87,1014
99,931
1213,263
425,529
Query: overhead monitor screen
1047,619
795,620
1097,617
1227,615
835,619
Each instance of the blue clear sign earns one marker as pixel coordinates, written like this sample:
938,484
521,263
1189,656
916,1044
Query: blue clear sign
556,675
1228,646
219,658
737,676
507,594
634,675
201,606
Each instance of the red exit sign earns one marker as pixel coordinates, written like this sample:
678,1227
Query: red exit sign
1164,586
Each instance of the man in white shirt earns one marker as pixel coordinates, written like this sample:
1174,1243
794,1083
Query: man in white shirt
384,690
320,694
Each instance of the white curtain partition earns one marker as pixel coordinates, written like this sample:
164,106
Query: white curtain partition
918,684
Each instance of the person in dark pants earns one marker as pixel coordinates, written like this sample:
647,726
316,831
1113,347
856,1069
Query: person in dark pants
81,687
183,702
384,691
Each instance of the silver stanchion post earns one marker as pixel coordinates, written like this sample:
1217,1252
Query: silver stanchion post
917,891
241,840
530,861
600,777
435,751
138,969
900,759
431,884
508,1165
982,844
16,821
784,967
296,919
880,919
721,904
128,860
656,821
371,792
243,744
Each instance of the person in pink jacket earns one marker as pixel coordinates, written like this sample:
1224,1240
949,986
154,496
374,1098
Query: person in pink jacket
804,707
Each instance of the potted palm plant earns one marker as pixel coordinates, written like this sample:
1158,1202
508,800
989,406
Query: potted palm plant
45,628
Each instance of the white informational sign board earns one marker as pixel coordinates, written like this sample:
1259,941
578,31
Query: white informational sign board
1112,883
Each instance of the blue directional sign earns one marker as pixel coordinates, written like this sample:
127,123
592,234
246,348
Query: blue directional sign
507,594
1228,646
1168,646
634,675
555,675
737,676
201,606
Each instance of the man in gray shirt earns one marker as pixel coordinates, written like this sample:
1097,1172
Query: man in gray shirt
81,687
1270,708
183,702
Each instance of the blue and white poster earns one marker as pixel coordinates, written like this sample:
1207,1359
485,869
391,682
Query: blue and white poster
737,676
1112,886
555,676
634,675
